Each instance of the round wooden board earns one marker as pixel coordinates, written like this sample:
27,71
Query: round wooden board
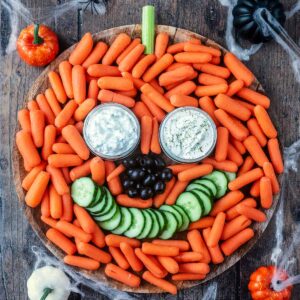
33,215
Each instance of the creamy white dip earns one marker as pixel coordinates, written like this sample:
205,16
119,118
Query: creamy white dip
188,134
111,131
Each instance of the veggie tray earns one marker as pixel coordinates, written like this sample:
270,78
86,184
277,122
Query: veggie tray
185,210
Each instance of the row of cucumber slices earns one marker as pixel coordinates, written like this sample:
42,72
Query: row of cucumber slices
195,202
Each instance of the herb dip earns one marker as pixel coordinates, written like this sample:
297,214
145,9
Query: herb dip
111,131
187,134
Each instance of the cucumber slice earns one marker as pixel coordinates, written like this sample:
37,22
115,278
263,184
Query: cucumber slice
113,222
137,224
185,217
170,227
206,201
100,205
108,215
220,180
106,207
83,191
230,175
175,212
99,195
148,225
126,219
155,225
191,205
161,219
209,184
200,187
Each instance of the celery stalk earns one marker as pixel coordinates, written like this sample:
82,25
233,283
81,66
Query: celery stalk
148,28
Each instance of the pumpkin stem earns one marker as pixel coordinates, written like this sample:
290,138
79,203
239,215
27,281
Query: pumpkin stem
36,38
46,292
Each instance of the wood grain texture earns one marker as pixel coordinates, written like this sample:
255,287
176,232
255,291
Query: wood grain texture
270,65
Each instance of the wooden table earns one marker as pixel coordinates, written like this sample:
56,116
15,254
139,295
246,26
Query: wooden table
206,17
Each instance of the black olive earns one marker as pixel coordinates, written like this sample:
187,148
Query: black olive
139,186
138,159
159,187
166,174
159,162
146,193
137,174
129,172
126,163
132,192
149,180
128,183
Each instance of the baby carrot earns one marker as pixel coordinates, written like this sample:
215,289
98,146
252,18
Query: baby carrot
255,188
85,220
49,139
115,83
155,110
116,48
202,223
115,185
179,100
52,101
232,212
175,48
180,244
185,257
232,244
255,150
157,98
155,145
169,263
247,165
96,54
238,69
213,70
131,46
45,108
24,119
62,148
193,57
256,130
265,191
207,79
66,175
140,109
30,177
245,179
131,58
61,241
209,107
132,259
177,65
79,83
98,170
175,76
270,173
195,172
93,89
98,237
116,172
115,240
187,276
236,129
216,60
56,208
65,72
72,230
234,155
232,107
98,70
37,122
32,105
215,252
216,230
160,250
222,144
178,188
84,108
245,104
197,268
238,145
189,47
234,226
45,204
64,160
49,221
159,66
109,96
93,252
161,44
82,50
57,86
146,134
265,122
138,83
185,88
251,213
124,200
67,204
211,90
198,245
181,167
156,85
254,97
81,262
119,257
160,199
225,165
37,189
235,87
63,118
75,140
275,155
161,283
141,66
58,180
121,275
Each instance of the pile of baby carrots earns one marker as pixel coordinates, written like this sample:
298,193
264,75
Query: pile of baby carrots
182,74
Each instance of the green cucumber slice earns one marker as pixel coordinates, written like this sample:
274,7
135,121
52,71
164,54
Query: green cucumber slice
206,201
161,219
155,225
220,180
108,215
209,184
126,219
170,227
106,207
185,217
83,191
148,225
230,175
191,205
175,212
113,222
137,224
200,187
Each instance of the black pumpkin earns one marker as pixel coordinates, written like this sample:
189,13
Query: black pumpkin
244,22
